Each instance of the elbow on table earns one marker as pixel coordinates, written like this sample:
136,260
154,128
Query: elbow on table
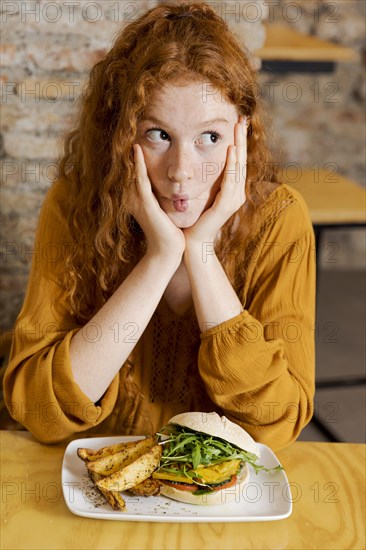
286,430
44,420
45,432
49,438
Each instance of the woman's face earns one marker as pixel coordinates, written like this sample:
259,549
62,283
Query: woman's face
184,134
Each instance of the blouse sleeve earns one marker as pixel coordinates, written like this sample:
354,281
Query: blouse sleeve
259,367
39,388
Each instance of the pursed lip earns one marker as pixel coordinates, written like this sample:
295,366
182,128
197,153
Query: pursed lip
179,197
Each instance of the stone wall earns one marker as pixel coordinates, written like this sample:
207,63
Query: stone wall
48,49
319,118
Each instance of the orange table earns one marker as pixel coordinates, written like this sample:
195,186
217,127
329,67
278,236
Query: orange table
327,482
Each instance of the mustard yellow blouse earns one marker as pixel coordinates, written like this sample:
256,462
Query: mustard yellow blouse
256,368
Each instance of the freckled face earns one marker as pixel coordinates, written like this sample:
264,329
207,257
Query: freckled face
184,134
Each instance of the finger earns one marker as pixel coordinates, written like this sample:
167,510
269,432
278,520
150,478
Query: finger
241,149
139,161
142,179
233,187
231,171
141,170
241,156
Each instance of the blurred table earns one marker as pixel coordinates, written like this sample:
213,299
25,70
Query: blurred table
333,200
288,50
327,482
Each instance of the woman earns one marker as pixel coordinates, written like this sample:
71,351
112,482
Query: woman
173,271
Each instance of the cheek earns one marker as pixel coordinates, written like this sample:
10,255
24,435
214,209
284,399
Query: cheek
213,168
154,166
207,172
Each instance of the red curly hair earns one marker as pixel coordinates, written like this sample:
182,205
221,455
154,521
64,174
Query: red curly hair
167,42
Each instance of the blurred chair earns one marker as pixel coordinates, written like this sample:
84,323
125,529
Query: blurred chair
334,202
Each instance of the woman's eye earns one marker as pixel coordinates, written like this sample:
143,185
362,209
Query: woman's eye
210,138
156,135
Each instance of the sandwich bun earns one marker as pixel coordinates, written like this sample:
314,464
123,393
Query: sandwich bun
222,428
217,426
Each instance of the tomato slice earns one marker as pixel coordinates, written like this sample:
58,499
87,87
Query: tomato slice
230,483
191,488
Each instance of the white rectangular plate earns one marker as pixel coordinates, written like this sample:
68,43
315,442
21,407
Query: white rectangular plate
266,497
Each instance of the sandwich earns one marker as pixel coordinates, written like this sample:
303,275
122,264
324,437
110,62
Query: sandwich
205,459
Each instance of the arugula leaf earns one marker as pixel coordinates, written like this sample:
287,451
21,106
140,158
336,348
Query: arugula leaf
196,455
185,449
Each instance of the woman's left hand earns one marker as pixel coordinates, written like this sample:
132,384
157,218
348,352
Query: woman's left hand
231,195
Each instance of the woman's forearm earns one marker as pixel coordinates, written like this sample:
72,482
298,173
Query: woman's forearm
98,351
214,298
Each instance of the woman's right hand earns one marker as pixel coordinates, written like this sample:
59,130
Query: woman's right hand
162,235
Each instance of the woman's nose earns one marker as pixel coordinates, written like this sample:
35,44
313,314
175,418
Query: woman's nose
180,167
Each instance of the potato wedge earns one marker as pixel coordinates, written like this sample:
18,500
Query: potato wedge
89,455
134,473
112,497
148,488
118,499
107,465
